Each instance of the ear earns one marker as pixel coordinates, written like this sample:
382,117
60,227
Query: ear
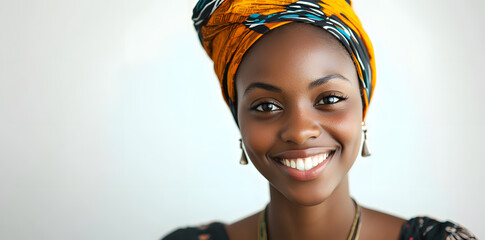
349,2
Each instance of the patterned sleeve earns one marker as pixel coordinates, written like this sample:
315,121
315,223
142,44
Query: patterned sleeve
424,228
213,231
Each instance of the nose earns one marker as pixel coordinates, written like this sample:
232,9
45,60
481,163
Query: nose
300,127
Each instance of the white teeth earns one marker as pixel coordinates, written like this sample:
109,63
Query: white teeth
304,164
308,163
300,165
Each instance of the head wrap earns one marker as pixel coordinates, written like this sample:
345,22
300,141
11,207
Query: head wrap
227,28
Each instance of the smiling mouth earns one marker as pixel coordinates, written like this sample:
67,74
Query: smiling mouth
306,163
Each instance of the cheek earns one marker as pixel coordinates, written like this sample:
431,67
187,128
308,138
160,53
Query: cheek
351,133
347,128
257,137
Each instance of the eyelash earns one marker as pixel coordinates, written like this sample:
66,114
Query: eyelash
259,107
256,108
339,99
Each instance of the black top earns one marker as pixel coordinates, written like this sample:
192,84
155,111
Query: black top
418,228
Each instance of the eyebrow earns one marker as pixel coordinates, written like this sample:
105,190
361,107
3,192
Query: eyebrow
312,85
265,86
325,79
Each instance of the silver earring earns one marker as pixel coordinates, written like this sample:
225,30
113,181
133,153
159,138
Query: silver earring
244,160
365,150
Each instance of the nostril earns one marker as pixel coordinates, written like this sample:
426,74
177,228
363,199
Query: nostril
297,135
301,125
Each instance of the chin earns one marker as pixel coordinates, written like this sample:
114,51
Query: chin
308,194
308,202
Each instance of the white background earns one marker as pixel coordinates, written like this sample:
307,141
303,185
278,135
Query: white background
112,125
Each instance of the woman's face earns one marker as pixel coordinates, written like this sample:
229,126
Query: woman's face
300,111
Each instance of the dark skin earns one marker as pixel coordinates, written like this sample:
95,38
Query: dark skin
298,91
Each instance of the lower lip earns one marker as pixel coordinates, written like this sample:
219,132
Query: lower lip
307,175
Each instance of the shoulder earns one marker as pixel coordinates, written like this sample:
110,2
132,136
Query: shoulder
378,225
213,231
244,229
428,228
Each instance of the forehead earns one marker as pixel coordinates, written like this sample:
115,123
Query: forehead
297,51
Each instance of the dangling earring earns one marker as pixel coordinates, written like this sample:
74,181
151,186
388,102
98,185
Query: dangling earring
365,150
244,160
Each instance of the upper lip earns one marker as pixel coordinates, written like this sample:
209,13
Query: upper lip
302,153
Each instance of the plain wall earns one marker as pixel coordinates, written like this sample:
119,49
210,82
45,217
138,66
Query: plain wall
112,125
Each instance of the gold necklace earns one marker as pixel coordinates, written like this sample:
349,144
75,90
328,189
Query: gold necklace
353,234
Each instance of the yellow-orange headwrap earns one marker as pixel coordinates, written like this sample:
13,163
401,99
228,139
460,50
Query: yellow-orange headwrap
227,28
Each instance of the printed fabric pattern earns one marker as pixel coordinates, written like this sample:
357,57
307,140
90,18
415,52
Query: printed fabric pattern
228,28
418,228
424,228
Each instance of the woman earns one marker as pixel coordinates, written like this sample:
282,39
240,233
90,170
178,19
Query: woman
298,77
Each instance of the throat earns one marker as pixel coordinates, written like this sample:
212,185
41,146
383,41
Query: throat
331,219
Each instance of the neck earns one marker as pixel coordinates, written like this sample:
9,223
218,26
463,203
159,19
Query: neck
330,219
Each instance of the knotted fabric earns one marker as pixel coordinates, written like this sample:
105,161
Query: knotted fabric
227,28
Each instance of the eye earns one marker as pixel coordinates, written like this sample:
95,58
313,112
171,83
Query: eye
331,99
266,107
